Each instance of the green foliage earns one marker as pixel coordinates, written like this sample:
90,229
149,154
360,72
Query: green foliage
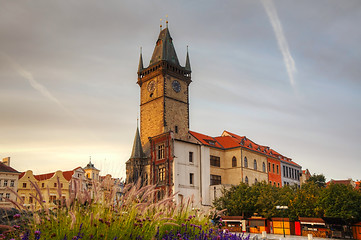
312,200
318,179
343,201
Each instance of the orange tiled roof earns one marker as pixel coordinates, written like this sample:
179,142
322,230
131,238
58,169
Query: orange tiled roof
21,175
45,176
230,140
68,175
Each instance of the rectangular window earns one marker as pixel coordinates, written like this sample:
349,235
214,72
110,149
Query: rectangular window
293,173
269,167
284,171
273,167
7,195
191,178
277,170
287,172
176,129
215,161
42,185
12,183
5,183
160,151
24,185
61,185
191,157
216,180
54,184
30,199
1,197
290,172
161,173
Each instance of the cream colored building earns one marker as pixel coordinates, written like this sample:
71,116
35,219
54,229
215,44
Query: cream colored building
53,188
8,183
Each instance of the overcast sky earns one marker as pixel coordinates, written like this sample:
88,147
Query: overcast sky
284,73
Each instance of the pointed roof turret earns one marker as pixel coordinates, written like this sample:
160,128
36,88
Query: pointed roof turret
140,66
188,63
164,49
137,151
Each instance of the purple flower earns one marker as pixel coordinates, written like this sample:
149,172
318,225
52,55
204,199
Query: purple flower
37,232
17,216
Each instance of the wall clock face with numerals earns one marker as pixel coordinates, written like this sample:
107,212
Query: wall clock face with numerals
151,86
176,86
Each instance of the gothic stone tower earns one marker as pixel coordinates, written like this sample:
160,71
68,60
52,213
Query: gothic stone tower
164,93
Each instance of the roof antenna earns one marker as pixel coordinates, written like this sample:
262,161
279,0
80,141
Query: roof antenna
90,159
161,24
166,21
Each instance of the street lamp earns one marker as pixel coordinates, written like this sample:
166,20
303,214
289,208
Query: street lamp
284,208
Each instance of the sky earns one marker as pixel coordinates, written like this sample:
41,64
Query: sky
284,73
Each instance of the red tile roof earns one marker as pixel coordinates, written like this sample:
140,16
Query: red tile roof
45,176
6,168
230,140
68,175
344,182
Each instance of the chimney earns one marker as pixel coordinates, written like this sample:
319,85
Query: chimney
6,161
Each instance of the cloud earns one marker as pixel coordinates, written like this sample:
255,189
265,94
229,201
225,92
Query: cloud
281,39
35,84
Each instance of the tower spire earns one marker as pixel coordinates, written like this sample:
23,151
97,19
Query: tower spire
188,63
137,151
140,66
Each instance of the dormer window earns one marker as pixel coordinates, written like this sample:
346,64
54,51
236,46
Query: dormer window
250,145
210,142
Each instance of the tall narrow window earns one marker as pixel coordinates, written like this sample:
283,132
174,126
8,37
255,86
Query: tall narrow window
263,167
273,167
176,129
191,157
277,169
284,171
161,151
191,178
24,185
255,164
255,180
12,183
234,162
269,167
245,162
5,183
161,173
246,180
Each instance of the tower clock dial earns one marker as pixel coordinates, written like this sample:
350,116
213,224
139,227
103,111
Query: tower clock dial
151,86
176,86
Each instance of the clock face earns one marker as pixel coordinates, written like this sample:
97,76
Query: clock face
151,86
176,86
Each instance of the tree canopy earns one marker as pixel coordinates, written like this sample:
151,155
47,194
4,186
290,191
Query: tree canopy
311,200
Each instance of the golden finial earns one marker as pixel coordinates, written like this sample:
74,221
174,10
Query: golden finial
166,21
161,24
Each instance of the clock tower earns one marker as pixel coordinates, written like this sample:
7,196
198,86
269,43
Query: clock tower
164,92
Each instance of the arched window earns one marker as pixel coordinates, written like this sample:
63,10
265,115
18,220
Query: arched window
245,162
255,180
264,167
255,164
234,162
246,180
